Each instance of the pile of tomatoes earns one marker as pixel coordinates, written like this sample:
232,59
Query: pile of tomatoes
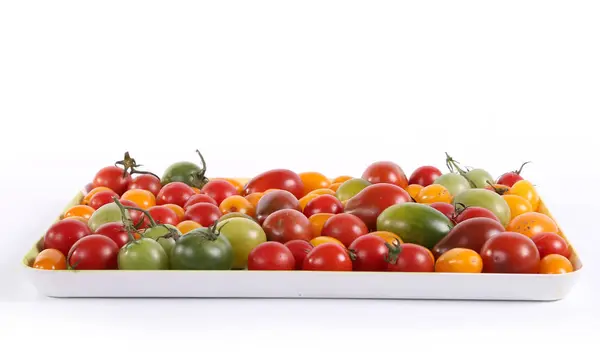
460,221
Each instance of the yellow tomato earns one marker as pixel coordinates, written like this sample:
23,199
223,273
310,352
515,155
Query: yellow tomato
322,191
434,193
525,189
414,190
325,239
459,260
317,221
237,203
388,236
532,223
335,186
340,179
187,226
83,211
518,205
555,264
254,198
313,181
143,198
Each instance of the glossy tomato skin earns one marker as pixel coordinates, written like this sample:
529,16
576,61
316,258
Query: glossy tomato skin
94,252
271,255
199,198
446,209
283,179
204,214
273,201
115,231
551,243
219,190
412,258
286,225
510,252
299,249
164,215
370,253
112,177
146,182
475,212
385,172
63,234
50,259
344,227
373,200
328,257
469,234
102,198
177,193
323,204
424,175
509,179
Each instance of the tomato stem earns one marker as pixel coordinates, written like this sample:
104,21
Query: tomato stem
453,164
499,191
394,251
521,168
201,175
129,165
127,222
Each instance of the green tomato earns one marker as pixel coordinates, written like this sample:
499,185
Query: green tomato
350,188
143,254
454,182
244,235
159,231
486,199
202,249
105,214
236,214
167,243
479,178
186,172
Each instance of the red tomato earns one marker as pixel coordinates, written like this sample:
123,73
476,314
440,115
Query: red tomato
385,172
115,231
177,193
199,198
510,252
94,252
299,249
551,243
219,190
424,175
344,227
323,204
271,255
135,215
283,179
204,214
63,234
112,177
287,224
273,201
102,198
444,208
328,257
475,212
509,179
163,215
373,200
409,257
146,182
370,253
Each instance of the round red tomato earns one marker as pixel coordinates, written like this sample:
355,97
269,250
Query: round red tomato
510,252
273,201
271,255
204,214
328,257
474,212
370,252
94,252
424,175
385,172
163,215
299,249
410,257
63,234
551,243
444,208
199,198
286,225
219,190
115,231
102,198
344,227
112,177
283,179
323,204
177,193
509,179
146,182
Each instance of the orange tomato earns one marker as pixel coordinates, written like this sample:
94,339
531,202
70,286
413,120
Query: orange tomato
500,189
196,190
323,240
143,198
322,191
555,264
459,260
314,180
388,236
187,226
86,199
317,221
254,198
50,259
237,203
238,186
335,186
341,179
305,199
434,193
526,190
518,205
83,211
177,209
414,190
532,223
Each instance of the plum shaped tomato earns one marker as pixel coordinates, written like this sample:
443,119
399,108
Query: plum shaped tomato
328,257
344,227
510,252
385,172
63,234
177,193
469,234
271,255
425,175
113,177
373,200
146,182
94,252
273,201
287,224
283,179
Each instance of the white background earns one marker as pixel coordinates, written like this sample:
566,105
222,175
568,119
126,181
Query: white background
309,85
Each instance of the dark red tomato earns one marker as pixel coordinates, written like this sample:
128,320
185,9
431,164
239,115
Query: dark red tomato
199,198
328,257
94,252
551,243
146,182
112,177
135,215
299,249
469,234
115,231
370,253
271,255
444,208
204,214
373,200
163,215
409,257
510,252
287,224
102,198
64,233
344,227
323,204
219,190
273,201
424,175
283,179
177,193
509,179
385,172
474,212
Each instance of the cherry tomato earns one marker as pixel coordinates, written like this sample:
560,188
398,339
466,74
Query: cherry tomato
254,198
518,205
115,231
273,201
526,190
446,209
328,257
317,221
271,255
320,240
177,193
340,179
425,175
305,199
287,224
551,243
63,234
50,259
299,249
370,202
413,190
510,252
239,187
83,211
204,214
459,260
86,199
237,204
434,193
177,210
187,225
475,212
388,236
344,227
94,252
164,215
313,181
199,198
143,198
102,198
283,179
509,179
335,186
409,257
112,177
385,172
323,204
530,224
555,264
370,252
219,190
146,182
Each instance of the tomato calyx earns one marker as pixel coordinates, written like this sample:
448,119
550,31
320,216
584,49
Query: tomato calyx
212,234
458,209
453,166
394,251
352,254
130,166
497,189
200,176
